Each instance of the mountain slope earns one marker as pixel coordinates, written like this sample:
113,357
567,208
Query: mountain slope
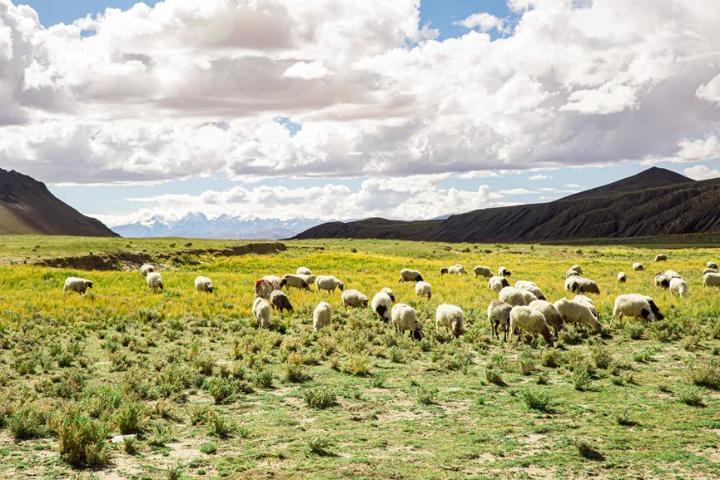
28,207
654,202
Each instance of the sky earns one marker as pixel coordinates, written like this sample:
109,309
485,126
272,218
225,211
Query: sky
336,110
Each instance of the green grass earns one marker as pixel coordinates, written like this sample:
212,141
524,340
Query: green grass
211,396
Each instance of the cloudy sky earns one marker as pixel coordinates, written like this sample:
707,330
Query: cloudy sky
340,109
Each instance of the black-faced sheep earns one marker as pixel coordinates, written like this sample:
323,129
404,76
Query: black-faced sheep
280,301
581,285
204,284
328,283
574,271
712,265
636,306
661,280
404,319
504,272
154,282
408,275
381,304
147,268
638,267
75,284
483,272
497,283
621,277
389,293
295,281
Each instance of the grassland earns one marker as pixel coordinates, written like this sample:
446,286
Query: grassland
208,395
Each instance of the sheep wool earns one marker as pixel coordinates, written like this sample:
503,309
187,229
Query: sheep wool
530,287
261,312
621,277
279,301
423,289
408,275
263,289
499,316
147,268
354,298
381,304
552,315
526,320
449,317
679,287
636,306
711,280
388,292
328,283
322,315
577,314
481,271
275,281
76,284
712,265
661,258
303,271
497,283
295,281
404,319
638,267
585,300
576,284
204,284
154,281
516,297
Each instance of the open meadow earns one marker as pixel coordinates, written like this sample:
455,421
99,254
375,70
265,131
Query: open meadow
204,393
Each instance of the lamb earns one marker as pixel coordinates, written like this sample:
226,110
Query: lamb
483,272
530,287
661,258
712,265
552,315
577,314
516,297
581,285
328,283
583,300
661,280
355,299
574,271
303,271
636,306
76,284
322,316
388,292
711,280
261,312
497,283
449,317
381,304
154,281
295,281
638,267
423,289
280,301
407,275
678,286
204,284
504,272
276,281
147,268
527,320
263,289
499,315
621,277
404,318
457,269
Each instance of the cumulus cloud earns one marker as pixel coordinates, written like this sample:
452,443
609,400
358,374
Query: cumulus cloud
483,22
539,177
701,172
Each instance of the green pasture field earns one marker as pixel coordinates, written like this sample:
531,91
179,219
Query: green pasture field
204,393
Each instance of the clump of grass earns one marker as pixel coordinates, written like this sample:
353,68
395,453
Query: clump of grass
377,381
320,398
219,426
624,419
26,423
209,448
358,365
634,330
586,450
82,441
130,445
551,358
221,389
319,446
199,414
425,396
601,356
706,374
295,374
493,376
691,397
527,361
263,379
538,400
581,379
129,418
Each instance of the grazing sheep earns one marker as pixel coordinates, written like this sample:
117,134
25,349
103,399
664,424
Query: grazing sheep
516,296
661,258
261,312
583,300
295,281
526,320
381,304
147,268
263,289
577,314
636,306
621,277
328,283
712,265
552,315
638,267
276,281
75,284
303,271
483,272
709,270
661,280
497,283
450,317
322,315
444,271
678,286
530,287
574,271
309,279
407,275
671,274
423,289
457,269
355,299
404,318
504,272
154,281
204,284
581,285
389,293
499,315
711,280
280,301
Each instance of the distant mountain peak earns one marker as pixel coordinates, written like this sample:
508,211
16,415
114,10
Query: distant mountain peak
653,177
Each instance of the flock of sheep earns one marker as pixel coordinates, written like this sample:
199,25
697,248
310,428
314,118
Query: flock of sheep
521,309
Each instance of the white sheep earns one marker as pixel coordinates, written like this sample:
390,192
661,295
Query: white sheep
404,319
147,268
423,289
711,280
322,315
388,292
309,279
303,271
516,296
671,274
381,304
574,271
408,275
449,317
261,312
577,284
636,306
526,320
621,277
661,280
263,289
497,283
295,281
678,286
712,265
204,284
154,281
661,258
499,316
328,283
354,298
457,269
638,267
552,315
530,287
585,300
280,301
275,281
504,272
577,314
483,272
710,270
76,284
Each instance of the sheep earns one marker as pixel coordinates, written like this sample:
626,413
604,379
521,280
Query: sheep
581,285
280,301
309,279
457,269
407,275
381,304
577,314
678,286
423,289
552,315
388,292
444,271
661,280
636,306
354,298
276,281
263,289
204,284
621,277
482,272
709,270
404,318
574,271
504,272
75,284
497,283
154,281
712,265
449,317
584,300
638,267
261,312
516,296
328,283
661,258
303,271
322,315
530,287
671,274
147,268
711,280
295,281
526,320
499,315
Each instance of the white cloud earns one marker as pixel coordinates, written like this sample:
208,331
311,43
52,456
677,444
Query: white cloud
483,22
699,150
701,172
307,71
540,177
710,91
516,191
